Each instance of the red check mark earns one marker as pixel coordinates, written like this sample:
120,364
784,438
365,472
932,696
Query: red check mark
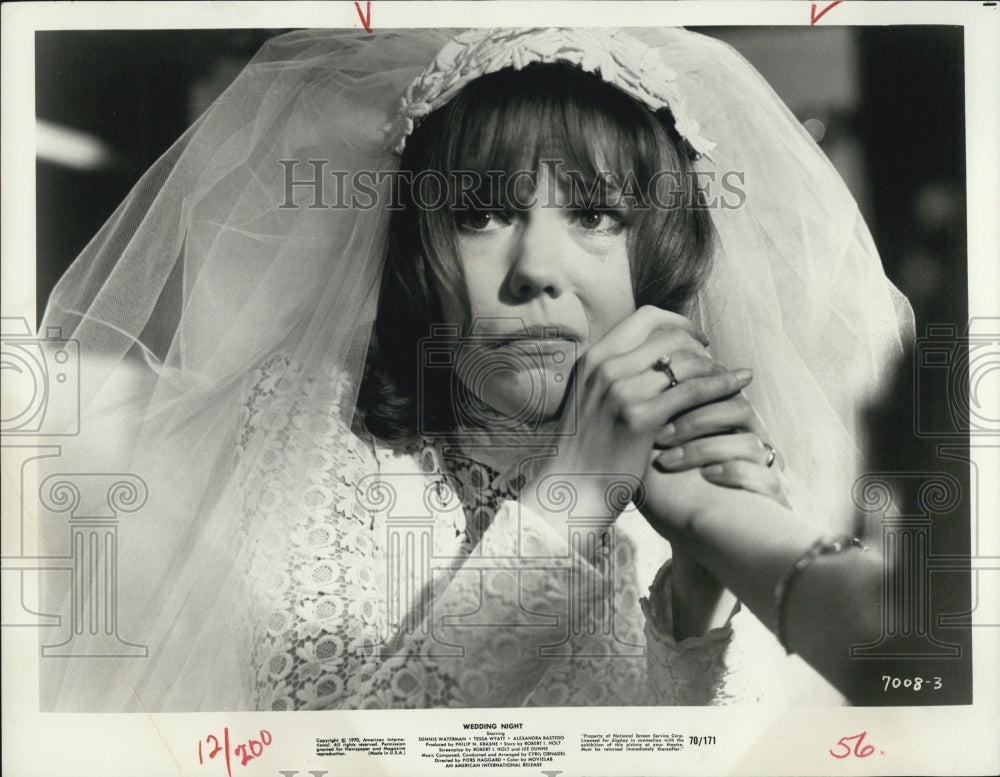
815,17
366,21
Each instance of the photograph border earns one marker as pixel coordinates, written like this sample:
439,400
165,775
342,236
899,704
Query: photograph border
744,740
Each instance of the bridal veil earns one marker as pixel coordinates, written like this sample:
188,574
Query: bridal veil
215,262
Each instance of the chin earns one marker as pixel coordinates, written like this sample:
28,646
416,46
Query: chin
524,399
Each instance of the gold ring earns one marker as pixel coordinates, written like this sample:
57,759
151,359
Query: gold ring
771,455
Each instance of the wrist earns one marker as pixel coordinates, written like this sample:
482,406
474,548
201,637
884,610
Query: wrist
698,600
556,496
670,610
675,504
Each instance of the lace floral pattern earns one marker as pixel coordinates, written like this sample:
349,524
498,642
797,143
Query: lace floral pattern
496,613
619,59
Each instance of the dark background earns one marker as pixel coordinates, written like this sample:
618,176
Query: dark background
886,104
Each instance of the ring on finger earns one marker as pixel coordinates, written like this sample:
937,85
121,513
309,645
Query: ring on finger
772,454
662,364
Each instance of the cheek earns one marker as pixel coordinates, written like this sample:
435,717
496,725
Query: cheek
453,308
609,298
483,275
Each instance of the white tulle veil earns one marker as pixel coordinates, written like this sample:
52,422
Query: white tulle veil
200,275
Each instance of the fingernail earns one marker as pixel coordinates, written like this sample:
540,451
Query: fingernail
744,375
671,456
712,470
666,434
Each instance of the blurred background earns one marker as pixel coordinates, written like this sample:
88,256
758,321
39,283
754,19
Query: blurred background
886,104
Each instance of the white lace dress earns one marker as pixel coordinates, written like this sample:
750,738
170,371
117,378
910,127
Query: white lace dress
414,579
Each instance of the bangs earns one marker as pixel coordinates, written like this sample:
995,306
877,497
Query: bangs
514,120
503,126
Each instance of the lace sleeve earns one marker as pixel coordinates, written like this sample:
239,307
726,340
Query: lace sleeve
739,662
694,671
491,632
488,632
348,610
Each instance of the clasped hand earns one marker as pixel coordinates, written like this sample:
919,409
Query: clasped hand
677,427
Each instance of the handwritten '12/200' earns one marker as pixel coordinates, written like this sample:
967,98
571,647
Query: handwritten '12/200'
246,752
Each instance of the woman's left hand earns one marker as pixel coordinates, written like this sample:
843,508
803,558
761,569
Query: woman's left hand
727,441
720,443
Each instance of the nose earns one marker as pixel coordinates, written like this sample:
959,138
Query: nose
536,266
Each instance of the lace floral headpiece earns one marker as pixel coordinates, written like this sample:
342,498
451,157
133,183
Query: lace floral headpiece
618,58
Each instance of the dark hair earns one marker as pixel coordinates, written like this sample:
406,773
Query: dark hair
511,121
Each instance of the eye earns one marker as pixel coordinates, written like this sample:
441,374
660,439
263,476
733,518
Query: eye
602,222
480,220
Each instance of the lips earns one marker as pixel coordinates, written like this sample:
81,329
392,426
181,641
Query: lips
536,333
541,346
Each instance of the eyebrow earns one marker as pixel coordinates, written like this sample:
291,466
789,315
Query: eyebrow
595,191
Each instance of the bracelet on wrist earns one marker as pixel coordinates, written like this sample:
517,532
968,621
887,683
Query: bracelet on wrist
781,590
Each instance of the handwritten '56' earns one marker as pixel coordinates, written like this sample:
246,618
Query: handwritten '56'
860,750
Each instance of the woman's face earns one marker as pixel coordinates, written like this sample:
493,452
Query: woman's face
543,284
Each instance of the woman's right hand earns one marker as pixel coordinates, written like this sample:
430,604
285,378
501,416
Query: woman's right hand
619,402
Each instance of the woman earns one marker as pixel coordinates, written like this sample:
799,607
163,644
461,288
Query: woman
259,310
